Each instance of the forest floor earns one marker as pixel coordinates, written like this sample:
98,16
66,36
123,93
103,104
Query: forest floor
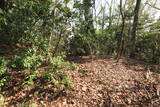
99,82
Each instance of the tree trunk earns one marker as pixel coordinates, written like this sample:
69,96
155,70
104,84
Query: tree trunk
120,40
89,25
134,28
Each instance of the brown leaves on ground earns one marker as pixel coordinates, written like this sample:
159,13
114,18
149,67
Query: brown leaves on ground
102,82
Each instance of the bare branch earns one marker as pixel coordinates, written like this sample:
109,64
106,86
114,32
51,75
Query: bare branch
153,6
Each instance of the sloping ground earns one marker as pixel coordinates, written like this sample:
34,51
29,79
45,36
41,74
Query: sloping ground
103,82
99,82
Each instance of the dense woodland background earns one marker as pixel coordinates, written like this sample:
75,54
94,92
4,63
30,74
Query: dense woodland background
39,37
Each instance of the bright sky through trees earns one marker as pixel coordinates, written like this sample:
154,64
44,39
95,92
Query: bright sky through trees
152,10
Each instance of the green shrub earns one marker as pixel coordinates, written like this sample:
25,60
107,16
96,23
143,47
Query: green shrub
67,82
3,65
73,67
2,102
53,75
58,62
56,74
57,78
30,79
3,68
27,104
30,61
27,61
33,61
2,81
50,77
17,63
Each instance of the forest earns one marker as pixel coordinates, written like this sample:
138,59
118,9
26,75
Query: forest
79,53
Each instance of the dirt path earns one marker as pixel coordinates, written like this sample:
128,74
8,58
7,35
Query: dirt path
105,83
99,82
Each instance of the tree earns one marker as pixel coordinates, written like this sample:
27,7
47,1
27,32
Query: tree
83,41
134,28
121,36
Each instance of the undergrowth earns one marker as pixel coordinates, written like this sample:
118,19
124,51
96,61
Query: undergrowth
3,68
30,62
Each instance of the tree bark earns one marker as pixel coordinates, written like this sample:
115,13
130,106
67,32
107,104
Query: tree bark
134,28
120,40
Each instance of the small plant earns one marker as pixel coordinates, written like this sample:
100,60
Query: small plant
64,79
2,81
27,61
3,68
67,82
17,63
56,74
27,104
49,76
3,65
57,62
2,102
57,78
30,79
33,105
32,62
73,67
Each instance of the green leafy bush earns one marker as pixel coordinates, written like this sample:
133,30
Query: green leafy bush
17,62
30,79
2,102
56,73
33,61
49,76
73,67
27,61
3,68
3,65
57,78
35,34
58,62
27,104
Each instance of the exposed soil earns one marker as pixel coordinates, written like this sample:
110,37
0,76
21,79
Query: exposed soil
99,82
